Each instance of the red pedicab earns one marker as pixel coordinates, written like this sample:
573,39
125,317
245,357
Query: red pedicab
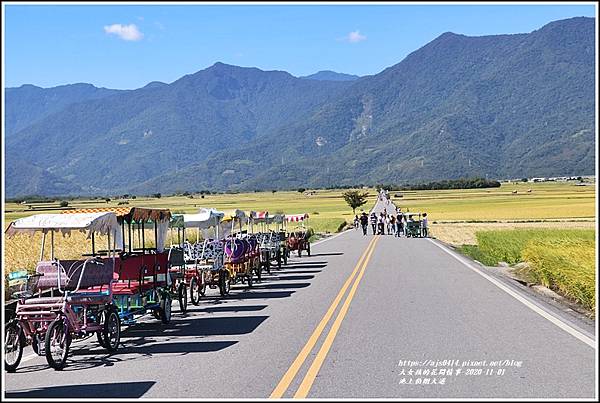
298,238
142,285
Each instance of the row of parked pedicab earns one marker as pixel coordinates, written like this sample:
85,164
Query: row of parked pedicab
107,288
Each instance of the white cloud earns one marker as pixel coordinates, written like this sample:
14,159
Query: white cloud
355,36
126,32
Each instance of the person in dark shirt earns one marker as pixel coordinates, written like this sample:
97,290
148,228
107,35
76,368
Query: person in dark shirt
399,223
364,222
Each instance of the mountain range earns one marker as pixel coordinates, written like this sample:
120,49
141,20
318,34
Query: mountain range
328,75
502,106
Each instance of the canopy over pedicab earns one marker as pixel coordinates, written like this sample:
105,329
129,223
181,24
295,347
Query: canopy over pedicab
83,305
298,237
199,264
141,270
242,255
232,219
272,241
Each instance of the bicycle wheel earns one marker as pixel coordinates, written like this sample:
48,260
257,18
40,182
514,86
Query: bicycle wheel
14,342
58,341
111,334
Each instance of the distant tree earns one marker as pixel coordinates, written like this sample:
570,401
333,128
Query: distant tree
273,191
301,190
64,203
107,199
524,180
157,195
355,199
133,196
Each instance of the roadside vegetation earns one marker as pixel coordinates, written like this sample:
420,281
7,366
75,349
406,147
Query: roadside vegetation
560,259
456,217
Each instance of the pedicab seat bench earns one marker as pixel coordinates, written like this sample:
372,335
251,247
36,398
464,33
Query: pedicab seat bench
44,300
128,270
72,274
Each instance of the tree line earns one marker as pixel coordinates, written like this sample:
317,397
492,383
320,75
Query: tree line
462,183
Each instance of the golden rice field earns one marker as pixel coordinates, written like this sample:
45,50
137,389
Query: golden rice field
328,211
560,259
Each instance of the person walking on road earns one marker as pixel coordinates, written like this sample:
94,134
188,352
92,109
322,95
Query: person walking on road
356,222
392,224
399,223
381,224
364,222
374,222
387,224
424,226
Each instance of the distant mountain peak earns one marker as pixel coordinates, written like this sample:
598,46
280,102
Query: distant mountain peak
328,75
155,84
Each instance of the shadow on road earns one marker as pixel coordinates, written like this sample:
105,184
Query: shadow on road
305,266
198,326
301,272
174,347
280,286
259,295
328,254
97,390
289,278
214,309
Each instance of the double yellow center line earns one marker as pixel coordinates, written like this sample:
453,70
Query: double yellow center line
310,376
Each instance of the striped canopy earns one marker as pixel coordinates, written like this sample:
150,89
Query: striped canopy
296,217
129,214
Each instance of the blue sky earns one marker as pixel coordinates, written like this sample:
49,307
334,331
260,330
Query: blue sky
127,46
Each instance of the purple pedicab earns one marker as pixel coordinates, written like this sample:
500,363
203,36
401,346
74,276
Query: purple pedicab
73,309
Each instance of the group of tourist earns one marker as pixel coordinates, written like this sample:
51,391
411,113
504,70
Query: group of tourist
383,223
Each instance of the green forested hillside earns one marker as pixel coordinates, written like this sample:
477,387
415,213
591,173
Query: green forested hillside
501,106
28,104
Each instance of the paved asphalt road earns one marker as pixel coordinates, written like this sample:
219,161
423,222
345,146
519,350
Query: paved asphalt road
357,319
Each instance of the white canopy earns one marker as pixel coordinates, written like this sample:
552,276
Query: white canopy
101,223
205,218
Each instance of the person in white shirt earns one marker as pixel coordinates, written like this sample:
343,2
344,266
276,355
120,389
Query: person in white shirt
424,226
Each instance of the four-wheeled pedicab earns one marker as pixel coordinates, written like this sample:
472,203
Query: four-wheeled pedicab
413,227
80,300
270,241
298,238
132,274
200,264
242,254
142,285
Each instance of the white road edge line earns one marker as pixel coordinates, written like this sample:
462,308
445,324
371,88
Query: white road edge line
545,314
